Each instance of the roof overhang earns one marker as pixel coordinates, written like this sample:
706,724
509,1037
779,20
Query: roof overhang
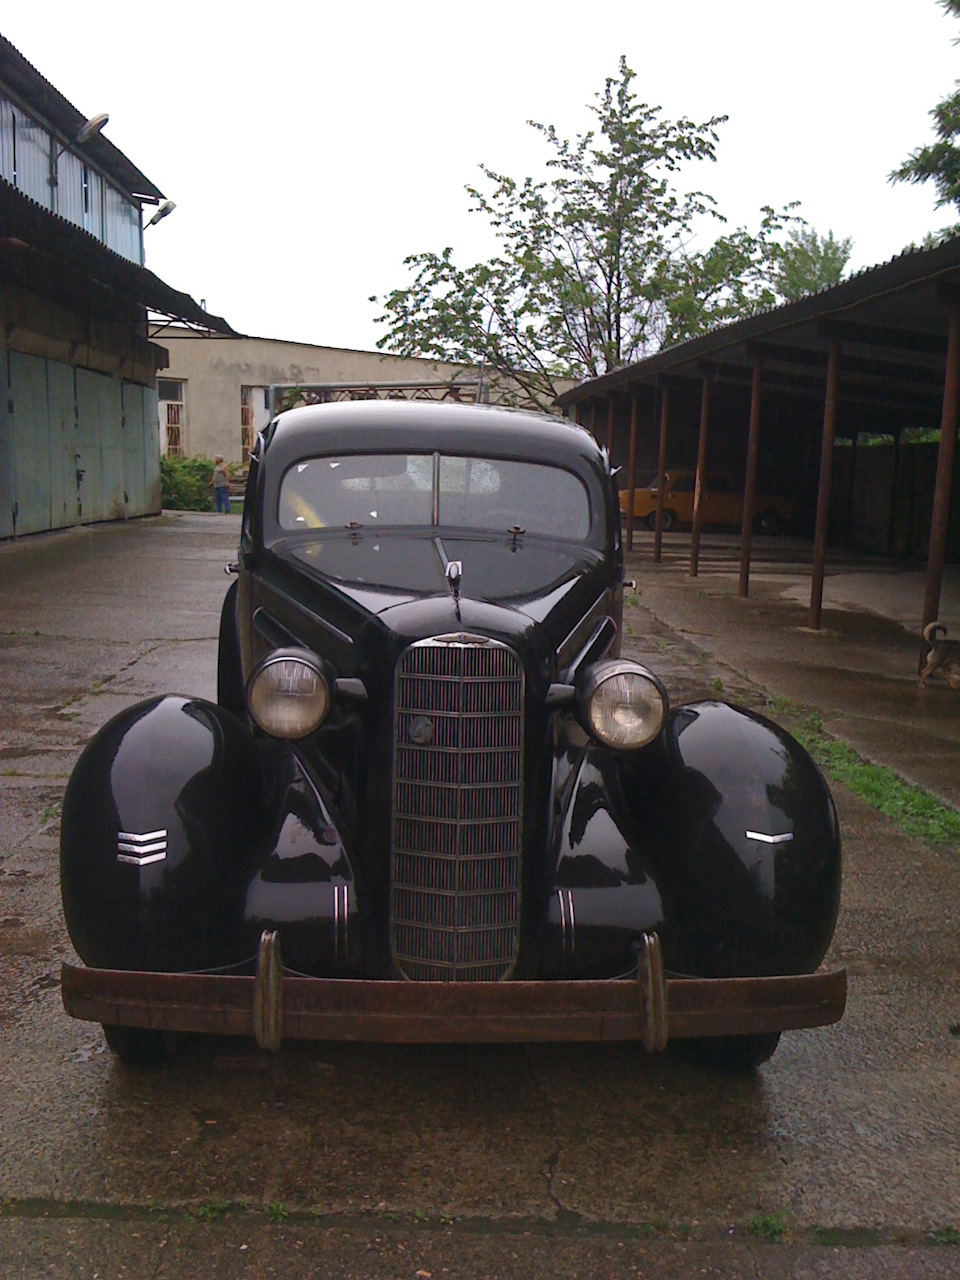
36,92
892,321
46,255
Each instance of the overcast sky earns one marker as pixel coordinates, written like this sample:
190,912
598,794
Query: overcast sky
310,148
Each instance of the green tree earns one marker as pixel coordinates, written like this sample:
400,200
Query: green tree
939,162
810,262
597,264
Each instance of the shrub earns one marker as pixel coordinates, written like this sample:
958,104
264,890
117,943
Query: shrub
185,483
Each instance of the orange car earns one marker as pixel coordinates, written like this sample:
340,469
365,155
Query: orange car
721,502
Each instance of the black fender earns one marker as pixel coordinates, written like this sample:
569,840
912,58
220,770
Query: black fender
183,837
160,828
747,843
605,893
721,835
304,885
230,687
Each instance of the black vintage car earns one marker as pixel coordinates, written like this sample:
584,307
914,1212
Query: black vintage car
431,801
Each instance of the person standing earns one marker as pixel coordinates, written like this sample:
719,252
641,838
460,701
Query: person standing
221,485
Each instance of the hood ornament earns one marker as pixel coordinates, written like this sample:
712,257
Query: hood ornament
454,572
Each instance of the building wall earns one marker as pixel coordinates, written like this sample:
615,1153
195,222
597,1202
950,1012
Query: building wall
78,419
214,369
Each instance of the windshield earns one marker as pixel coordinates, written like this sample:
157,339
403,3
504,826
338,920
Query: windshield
378,489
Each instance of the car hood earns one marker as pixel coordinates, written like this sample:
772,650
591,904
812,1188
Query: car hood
380,571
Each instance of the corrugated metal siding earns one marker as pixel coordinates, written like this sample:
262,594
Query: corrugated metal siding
31,442
122,228
33,159
70,187
6,140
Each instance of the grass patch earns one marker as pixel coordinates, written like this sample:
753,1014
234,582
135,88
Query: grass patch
767,1226
947,1235
913,809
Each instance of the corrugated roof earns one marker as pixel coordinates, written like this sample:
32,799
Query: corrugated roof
47,255
901,300
36,92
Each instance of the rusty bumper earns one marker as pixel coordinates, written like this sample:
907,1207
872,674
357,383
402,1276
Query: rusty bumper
273,1007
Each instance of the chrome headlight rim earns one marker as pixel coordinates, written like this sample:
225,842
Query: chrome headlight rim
592,713
257,689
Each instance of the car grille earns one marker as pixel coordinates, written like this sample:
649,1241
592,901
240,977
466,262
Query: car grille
457,810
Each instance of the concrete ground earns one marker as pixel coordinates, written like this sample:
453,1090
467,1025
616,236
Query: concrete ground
500,1161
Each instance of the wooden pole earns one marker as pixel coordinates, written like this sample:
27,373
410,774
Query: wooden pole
894,482
632,470
661,472
750,481
701,469
823,493
610,425
941,492
593,418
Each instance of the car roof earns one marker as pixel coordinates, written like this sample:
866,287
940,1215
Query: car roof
369,426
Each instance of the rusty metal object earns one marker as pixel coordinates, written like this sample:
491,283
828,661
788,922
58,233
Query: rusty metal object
661,472
941,494
632,470
823,493
424,1012
268,992
701,470
653,994
750,479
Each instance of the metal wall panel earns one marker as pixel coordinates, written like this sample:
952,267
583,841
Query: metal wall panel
151,452
111,449
6,139
63,445
70,187
122,224
133,460
33,159
6,455
88,445
31,442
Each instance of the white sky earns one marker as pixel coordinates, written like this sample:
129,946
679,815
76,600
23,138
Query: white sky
311,147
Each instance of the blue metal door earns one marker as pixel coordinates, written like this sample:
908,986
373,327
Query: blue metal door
63,445
31,443
6,454
89,462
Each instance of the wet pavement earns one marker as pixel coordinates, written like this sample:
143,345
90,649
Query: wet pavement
587,1160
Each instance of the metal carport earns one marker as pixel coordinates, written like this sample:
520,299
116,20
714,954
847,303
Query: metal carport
879,352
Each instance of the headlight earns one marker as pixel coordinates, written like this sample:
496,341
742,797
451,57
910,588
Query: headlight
288,695
622,704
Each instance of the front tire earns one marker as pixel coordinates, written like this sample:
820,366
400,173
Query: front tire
136,1046
737,1055
769,522
668,520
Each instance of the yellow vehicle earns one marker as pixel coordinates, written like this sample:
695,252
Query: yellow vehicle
721,502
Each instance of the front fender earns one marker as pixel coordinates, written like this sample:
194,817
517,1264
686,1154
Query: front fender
161,821
748,844
721,836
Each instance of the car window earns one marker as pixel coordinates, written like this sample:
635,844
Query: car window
684,483
398,489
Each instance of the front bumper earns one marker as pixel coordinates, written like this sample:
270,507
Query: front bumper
273,1007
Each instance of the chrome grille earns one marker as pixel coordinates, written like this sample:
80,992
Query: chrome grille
457,810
